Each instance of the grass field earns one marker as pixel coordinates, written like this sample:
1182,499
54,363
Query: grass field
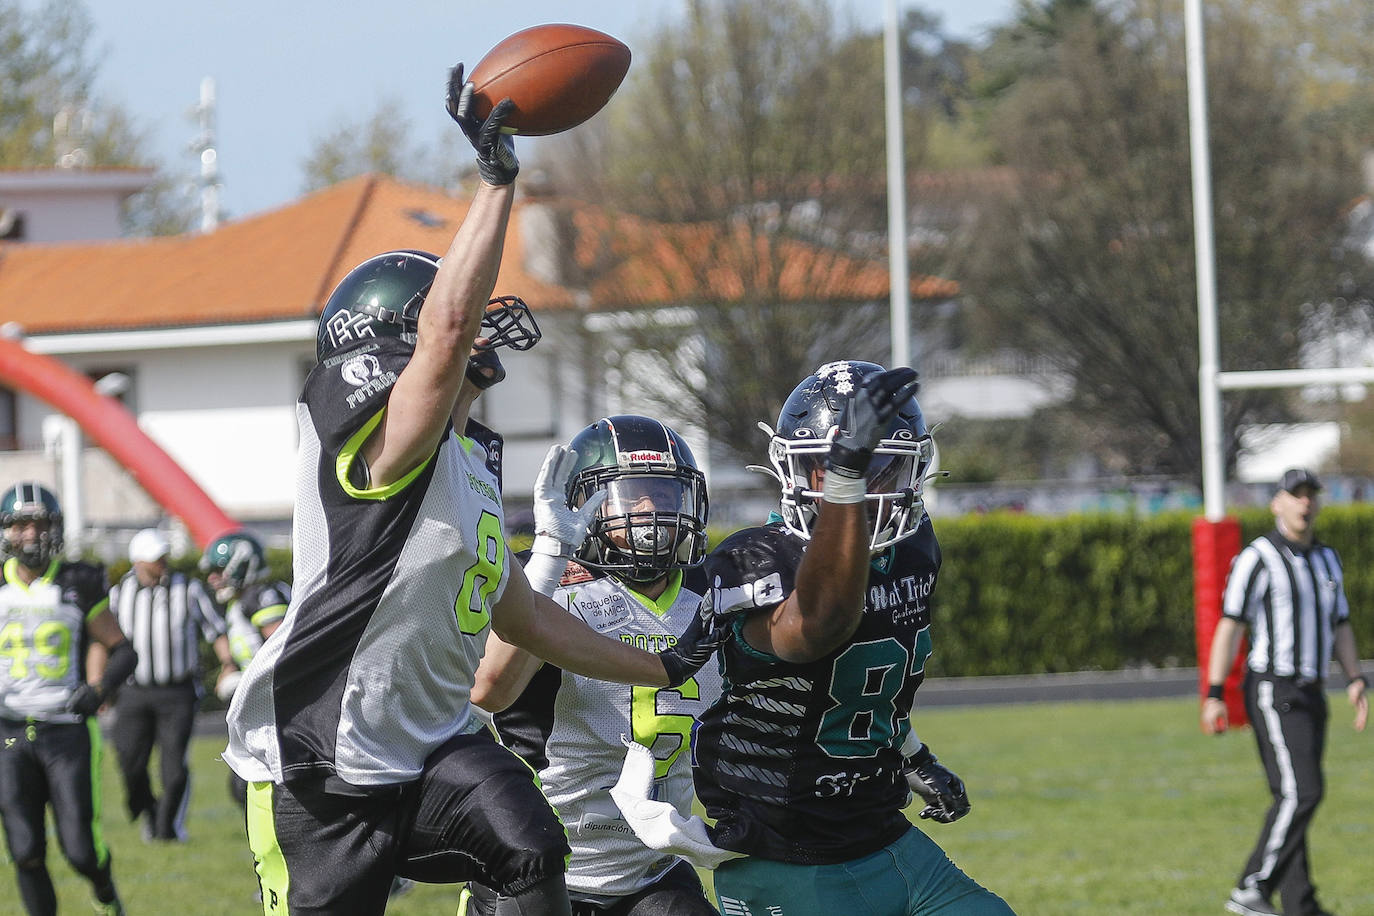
1078,808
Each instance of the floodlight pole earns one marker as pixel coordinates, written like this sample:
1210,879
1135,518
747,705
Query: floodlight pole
899,281
1209,390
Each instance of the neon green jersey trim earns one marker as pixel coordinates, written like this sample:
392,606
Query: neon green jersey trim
102,849
349,453
268,614
660,605
98,608
270,862
12,573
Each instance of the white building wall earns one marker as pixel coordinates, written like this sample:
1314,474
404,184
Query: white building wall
70,217
70,205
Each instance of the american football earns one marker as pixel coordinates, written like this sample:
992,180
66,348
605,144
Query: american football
557,75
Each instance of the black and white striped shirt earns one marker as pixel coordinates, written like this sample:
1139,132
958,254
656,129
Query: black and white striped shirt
1292,598
164,623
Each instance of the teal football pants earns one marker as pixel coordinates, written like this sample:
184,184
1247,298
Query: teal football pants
910,877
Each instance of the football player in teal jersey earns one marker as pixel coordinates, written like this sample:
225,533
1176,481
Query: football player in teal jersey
808,759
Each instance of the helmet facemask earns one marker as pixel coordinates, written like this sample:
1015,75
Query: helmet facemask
896,483
799,451
651,523
235,560
507,322
30,502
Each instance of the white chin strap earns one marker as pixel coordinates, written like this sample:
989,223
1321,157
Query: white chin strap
658,824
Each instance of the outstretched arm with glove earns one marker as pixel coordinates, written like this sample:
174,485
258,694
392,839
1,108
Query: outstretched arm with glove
826,606
558,531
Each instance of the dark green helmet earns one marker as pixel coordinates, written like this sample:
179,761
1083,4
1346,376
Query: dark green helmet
382,297
654,518
239,559
30,501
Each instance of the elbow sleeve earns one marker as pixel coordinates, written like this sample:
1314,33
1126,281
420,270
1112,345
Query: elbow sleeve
123,660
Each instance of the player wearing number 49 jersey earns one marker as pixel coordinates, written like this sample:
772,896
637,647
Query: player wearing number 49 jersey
51,610
808,759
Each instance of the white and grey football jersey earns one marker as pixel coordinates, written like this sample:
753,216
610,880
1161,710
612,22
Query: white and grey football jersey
43,637
372,667
572,729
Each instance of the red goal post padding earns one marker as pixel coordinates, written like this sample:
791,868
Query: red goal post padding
1215,545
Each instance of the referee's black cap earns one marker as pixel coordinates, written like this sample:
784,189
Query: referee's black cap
1297,477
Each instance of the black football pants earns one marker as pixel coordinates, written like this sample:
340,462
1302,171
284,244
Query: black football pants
1290,729
165,717
475,813
55,764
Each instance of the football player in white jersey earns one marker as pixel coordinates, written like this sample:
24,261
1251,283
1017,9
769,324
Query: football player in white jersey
633,576
51,611
352,725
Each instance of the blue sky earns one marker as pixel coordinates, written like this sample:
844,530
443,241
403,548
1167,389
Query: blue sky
287,72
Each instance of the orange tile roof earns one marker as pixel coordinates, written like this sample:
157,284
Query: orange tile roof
282,264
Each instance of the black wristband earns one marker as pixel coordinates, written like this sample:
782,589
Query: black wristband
1362,679
1216,691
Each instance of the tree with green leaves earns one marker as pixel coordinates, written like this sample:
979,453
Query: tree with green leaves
754,131
49,114
1089,260
382,143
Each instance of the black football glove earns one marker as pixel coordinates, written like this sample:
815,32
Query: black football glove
694,648
865,417
945,797
496,161
85,700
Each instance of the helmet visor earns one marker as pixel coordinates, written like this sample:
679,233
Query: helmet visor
644,494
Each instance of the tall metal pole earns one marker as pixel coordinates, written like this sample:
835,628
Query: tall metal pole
899,281
1209,389
204,144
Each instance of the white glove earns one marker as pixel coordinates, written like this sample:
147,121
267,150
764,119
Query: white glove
658,824
226,685
558,529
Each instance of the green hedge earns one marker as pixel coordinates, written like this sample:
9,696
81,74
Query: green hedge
1022,594
1026,595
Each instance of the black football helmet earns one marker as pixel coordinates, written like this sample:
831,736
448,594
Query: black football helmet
239,559
800,447
29,501
654,518
382,297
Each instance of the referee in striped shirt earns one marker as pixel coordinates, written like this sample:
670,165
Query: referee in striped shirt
165,615
1286,587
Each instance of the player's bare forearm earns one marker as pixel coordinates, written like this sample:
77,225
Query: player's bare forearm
534,623
503,675
827,604
422,401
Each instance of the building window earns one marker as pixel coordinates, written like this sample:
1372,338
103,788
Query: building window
9,435
11,225
116,382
